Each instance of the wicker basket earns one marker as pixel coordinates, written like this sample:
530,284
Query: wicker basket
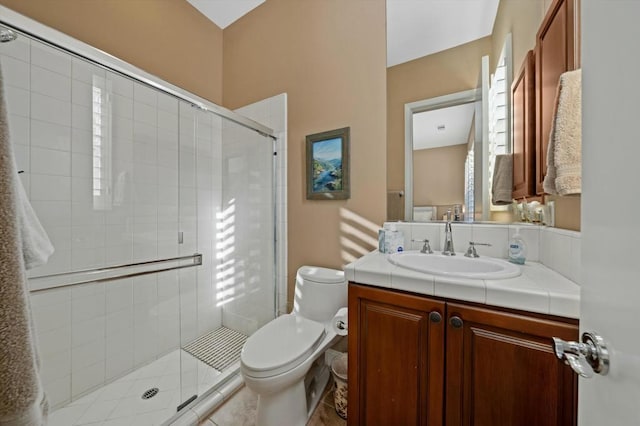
339,370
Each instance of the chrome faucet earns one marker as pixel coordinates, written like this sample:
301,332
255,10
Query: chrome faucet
448,237
426,248
471,251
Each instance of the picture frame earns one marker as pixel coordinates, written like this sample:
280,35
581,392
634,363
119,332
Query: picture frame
328,165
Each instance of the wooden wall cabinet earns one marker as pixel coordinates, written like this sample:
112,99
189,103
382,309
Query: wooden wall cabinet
523,118
555,53
415,360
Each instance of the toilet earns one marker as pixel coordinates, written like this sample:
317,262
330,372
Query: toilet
283,362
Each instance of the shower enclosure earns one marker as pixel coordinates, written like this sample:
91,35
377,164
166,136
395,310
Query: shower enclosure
161,209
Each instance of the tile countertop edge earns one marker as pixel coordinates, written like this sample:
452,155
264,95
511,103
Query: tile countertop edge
554,294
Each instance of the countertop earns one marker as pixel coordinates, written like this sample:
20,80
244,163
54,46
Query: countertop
538,289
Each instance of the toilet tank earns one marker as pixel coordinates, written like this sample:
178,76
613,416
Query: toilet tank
319,293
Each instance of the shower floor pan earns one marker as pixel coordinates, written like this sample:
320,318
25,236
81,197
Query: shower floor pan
150,394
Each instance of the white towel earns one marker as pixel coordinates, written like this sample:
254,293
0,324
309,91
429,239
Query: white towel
36,246
22,399
502,185
564,153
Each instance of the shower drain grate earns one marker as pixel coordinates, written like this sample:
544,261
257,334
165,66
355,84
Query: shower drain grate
150,393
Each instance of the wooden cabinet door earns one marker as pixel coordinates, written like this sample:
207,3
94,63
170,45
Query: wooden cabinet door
396,358
555,54
523,118
502,370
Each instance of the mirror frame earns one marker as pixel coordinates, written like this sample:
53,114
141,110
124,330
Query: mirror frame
412,108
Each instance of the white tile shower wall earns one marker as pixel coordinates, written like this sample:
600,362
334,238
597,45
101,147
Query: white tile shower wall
272,112
558,249
79,130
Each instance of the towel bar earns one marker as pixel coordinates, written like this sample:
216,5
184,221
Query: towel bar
196,258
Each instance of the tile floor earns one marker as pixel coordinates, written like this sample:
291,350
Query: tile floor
240,410
120,404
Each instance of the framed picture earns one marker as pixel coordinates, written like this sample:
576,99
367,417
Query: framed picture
328,165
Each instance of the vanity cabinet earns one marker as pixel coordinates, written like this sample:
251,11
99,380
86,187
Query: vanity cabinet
523,116
396,358
501,369
555,53
417,360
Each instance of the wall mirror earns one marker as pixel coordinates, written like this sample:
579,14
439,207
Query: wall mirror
450,145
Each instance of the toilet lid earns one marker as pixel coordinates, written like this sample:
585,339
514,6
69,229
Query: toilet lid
321,275
281,345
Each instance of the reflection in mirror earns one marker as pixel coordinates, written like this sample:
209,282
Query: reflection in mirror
447,171
439,171
441,146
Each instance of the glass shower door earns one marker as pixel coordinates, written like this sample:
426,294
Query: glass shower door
246,291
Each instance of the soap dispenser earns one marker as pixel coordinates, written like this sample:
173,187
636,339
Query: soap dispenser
517,249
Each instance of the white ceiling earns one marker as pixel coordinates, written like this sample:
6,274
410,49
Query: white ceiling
456,121
415,28
225,12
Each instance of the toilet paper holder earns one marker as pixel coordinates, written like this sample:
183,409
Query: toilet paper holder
341,322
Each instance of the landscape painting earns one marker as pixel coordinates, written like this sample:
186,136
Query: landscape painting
328,165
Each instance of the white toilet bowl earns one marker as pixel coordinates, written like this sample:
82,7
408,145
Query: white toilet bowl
283,362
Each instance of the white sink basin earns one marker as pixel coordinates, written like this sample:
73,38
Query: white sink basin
481,268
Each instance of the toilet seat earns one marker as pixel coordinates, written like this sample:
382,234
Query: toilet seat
280,345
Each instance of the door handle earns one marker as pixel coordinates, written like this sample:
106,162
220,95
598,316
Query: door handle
590,356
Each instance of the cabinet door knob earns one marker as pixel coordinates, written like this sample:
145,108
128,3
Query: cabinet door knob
456,322
435,317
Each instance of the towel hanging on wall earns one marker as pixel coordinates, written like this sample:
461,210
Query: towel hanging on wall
564,153
22,399
502,184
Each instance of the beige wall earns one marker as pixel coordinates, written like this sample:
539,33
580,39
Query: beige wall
521,19
329,56
442,73
438,175
567,212
167,38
